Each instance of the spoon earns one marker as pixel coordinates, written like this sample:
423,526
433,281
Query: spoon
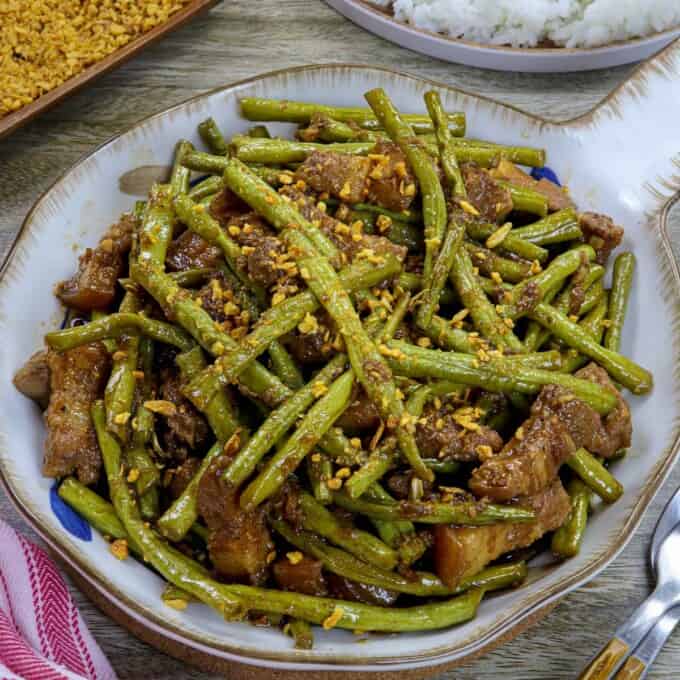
639,639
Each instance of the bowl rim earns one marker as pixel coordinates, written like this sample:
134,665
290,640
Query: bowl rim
443,654
383,14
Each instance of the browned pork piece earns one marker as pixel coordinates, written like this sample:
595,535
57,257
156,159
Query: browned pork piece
440,435
391,183
559,424
239,542
178,478
361,414
93,286
301,574
33,379
77,378
190,251
491,199
558,198
338,174
601,233
185,429
460,552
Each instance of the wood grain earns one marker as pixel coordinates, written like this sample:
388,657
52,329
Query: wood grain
241,38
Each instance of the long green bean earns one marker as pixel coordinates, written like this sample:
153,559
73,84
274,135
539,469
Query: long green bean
595,475
318,420
566,541
624,268
212,137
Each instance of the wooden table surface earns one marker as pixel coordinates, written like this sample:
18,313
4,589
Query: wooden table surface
242,38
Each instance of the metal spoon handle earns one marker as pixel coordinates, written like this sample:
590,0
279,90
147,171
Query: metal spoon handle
630,634
638,664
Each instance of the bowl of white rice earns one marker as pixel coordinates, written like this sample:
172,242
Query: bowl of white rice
523,35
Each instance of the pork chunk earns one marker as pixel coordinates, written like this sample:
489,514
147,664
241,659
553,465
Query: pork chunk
558,425
390,179
93,286
304,576
460,552
339,174
77,378
601,233
491,199
438,435
238,542
33,379
190,251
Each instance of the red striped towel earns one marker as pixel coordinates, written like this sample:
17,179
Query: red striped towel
42,635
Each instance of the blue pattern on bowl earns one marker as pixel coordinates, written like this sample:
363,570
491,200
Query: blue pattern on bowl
68,517
545,173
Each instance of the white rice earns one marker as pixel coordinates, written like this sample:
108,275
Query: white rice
526,23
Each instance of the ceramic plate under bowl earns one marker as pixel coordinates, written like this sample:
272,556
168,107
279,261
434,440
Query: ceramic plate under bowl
618,159
533,60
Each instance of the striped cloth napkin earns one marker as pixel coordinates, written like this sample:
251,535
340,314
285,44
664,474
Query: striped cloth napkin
42,635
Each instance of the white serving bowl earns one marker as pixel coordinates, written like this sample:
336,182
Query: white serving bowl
618,159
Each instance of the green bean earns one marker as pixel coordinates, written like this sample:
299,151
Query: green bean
417,583
179,177
442,467
511,243
265,110
433,200
483,313
200,161
329,130
319,471
190,278
637,379
201,326
444,141
337,445
219,411
157,227
138,458
416,401
402,233
317,519
120,388
323,281
283,151
301,633
526,200
443,334
488,261
557,271
284,317
624,268
279,422
523,155
284,366
395,319
92,507
177,520
318,420
433,285
212,137
537,335
206,188
595,476
556,228
592,326
566,541
427,512
391,532
115,325
410,215
379,462
417,362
